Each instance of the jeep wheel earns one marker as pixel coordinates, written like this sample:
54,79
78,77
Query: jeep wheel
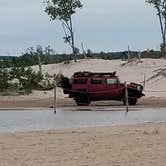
131,101
82,101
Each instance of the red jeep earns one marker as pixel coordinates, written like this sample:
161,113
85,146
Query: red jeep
85,87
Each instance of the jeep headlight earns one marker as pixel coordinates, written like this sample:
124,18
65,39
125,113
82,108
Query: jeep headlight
139,87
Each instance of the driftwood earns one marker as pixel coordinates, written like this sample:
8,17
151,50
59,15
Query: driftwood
160,73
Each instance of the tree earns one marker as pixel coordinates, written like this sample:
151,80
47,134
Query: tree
160,6
89,53
63,11
3,79
48,51
39,52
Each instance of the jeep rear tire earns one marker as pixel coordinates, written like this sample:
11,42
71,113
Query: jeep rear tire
82,100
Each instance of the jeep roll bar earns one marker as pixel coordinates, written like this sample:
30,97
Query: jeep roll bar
90,74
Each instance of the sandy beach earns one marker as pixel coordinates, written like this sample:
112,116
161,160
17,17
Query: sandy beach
133,145
151,70
83,83
103,146
66,102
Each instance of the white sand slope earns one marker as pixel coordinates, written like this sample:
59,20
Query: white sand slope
131,72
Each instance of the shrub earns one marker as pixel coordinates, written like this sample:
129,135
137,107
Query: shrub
4,77
28,78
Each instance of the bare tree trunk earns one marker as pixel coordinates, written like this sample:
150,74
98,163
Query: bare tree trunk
164,40
40,65
161,25
72,40
139,56
83,51
128,54
163,31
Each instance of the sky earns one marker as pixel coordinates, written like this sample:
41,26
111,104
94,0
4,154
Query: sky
107,25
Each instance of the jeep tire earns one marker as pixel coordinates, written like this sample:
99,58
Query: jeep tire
82,100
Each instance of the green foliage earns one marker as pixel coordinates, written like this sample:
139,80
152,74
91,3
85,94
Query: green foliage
160,6
29,58
4,77
27,77
89,53
62,9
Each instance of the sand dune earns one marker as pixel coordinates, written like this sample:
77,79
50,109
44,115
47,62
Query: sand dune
131,72
151,70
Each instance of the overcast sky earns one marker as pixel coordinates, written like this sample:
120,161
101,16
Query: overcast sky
107,25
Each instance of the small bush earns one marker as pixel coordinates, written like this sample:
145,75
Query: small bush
4,77
27,78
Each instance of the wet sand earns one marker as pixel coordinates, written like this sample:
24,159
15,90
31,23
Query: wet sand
66,102
135,145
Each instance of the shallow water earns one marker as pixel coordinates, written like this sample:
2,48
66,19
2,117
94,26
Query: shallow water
29,120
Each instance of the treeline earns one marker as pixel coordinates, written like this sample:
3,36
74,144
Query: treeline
31,57
124,55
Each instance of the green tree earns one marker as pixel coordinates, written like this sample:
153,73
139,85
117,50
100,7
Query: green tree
28,78
4,78
63,11
89,53
47,52
160,6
